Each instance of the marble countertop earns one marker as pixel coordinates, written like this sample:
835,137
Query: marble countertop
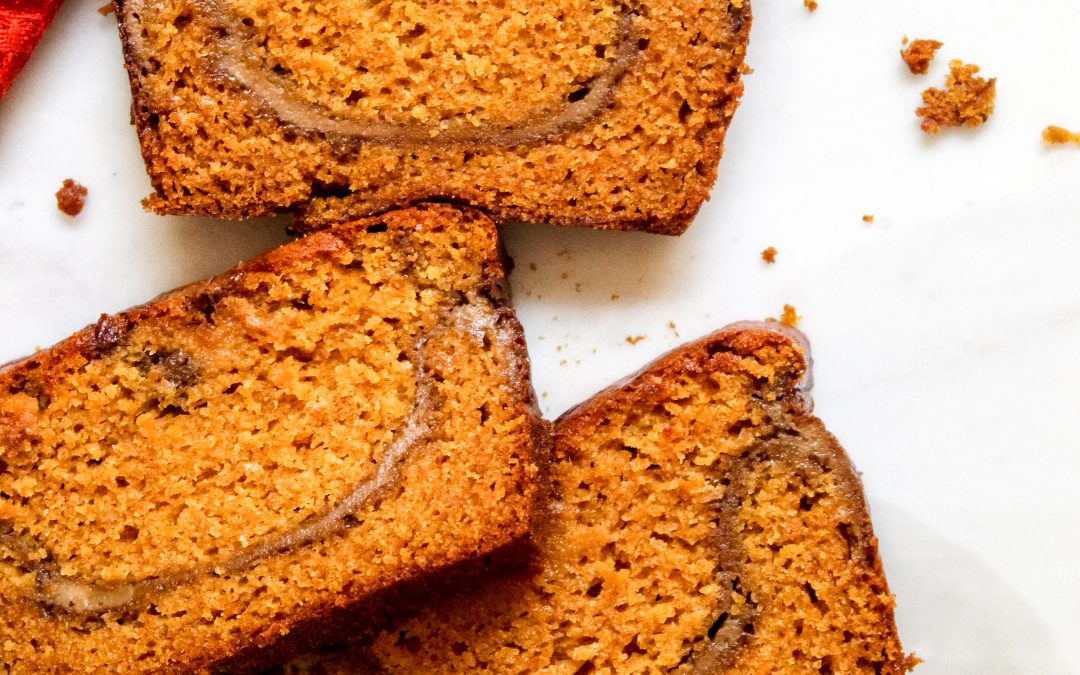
946,333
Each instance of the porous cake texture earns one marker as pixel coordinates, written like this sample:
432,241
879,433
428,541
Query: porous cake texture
701,520
186,482
599,113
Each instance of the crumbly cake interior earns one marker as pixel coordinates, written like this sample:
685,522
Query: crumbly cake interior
166,476
607,113
698,524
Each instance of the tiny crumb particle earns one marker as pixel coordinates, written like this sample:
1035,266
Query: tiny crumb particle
71,197
769,255
868,218
919,54
1053,135
565,275
811,5
564,253
966,101
904,41
562,363
614,297
577,287
107,9
532,266
634,339
545,394
789,317
674,329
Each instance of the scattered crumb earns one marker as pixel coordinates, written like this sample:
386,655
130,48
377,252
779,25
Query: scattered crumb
811,5
565,275
71,197
614,297
564,253
869,218
789,317
532,266
904,41
674,329
769,255
966,101
562,363
1058,136
919,54
635,339
107,9
577,287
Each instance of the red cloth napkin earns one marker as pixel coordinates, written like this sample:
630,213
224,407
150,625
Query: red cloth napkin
22,23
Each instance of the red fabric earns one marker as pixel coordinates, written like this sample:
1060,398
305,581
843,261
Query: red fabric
22,23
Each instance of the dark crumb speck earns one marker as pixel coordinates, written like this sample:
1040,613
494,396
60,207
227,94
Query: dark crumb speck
71,197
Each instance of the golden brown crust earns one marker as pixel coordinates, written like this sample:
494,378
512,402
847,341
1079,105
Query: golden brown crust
666,210
43,380
966,101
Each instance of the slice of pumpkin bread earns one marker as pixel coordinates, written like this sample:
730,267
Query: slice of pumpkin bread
187,481
597,113
701,521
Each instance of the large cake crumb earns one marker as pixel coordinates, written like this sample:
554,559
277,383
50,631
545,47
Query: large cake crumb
790,318
919,54
71,197
966,101
769,255
1053,135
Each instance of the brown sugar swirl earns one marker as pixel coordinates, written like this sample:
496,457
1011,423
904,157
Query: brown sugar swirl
700,520
184,482
81,595
250,59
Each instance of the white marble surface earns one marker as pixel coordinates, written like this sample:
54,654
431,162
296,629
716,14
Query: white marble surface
946,334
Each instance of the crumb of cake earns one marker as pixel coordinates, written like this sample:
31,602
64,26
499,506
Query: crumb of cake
634,339
71,197
790,318
966,101
532,266
614,297
904,41
769,255
919,54
1053,135
108,8
811,5
565,275
868,218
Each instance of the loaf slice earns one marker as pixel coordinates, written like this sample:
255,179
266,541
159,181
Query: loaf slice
701,521
187,481
596,113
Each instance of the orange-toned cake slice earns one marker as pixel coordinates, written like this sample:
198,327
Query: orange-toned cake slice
183,483
701,520
595,113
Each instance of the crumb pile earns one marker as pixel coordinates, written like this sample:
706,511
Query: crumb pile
250,107
966,101
200,475
701,521
918,55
